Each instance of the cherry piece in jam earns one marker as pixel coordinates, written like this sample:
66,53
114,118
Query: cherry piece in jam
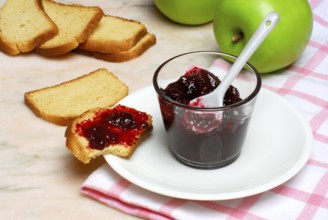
122,119
99,137
118,125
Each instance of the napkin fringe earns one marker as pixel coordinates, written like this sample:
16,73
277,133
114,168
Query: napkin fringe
117,203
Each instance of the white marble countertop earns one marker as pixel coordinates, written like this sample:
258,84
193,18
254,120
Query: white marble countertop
40,179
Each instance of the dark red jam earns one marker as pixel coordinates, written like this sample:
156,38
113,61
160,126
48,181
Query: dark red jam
198,82
119,125
202,139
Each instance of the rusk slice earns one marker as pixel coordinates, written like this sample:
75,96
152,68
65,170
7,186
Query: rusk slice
114,35
75,24
23,26
145,43
62,103
114,130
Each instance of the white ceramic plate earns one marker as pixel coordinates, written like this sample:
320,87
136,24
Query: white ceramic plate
277,146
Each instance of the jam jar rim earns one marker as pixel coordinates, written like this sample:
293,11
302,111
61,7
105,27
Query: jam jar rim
246,100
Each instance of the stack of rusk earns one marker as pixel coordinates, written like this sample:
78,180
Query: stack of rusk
53,28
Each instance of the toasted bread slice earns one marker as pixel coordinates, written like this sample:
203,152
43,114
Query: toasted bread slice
75,24
114,130
23,26
114,35
145,43
62,103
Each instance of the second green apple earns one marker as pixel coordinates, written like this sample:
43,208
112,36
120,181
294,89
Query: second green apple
189,12
235,21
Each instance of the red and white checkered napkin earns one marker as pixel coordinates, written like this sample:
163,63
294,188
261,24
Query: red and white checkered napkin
305,196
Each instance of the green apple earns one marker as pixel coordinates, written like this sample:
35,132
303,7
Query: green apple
190,12
235,21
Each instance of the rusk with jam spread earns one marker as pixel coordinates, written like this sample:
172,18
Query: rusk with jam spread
114,130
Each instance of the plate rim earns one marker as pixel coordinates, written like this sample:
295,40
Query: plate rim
113,162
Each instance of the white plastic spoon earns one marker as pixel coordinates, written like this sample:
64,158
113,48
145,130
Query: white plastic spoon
215,98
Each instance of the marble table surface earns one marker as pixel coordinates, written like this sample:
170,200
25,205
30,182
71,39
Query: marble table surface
40,179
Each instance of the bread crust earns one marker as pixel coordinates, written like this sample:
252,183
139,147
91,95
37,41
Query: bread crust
144,44
79,145
14,45
66,40
103,40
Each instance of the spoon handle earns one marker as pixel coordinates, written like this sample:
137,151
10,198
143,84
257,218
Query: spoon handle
260,34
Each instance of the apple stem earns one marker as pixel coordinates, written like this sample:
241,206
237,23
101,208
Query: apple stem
237,37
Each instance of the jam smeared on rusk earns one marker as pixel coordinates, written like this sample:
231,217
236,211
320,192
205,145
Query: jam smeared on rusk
118,125
202,137
197,82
